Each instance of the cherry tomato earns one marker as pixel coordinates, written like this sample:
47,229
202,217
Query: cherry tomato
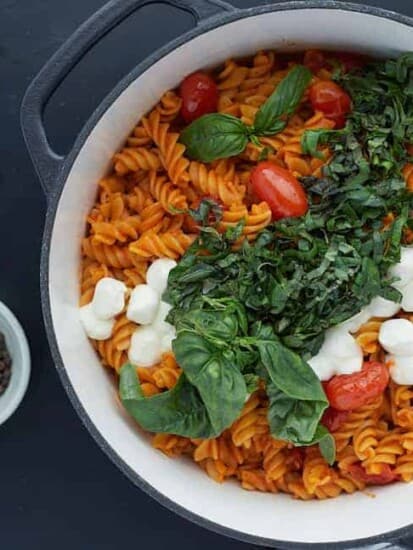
350,391
333,419
330,99
359,473
409,149
280,189
349,61
314,60
199,95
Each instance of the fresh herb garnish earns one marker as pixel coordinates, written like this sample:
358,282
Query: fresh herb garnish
217,135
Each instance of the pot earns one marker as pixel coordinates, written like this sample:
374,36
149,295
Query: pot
221,31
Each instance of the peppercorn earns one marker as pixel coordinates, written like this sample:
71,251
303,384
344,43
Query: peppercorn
5,365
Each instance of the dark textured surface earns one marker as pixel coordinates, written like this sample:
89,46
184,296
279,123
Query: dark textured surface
57,488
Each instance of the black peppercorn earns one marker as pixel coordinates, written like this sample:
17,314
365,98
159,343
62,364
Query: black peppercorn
5,365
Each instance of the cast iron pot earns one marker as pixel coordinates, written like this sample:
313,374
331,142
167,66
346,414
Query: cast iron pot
221,32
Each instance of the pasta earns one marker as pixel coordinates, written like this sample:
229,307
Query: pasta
141,214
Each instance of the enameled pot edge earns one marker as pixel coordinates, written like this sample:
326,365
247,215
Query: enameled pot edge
44,279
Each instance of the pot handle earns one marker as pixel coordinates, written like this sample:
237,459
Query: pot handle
46,161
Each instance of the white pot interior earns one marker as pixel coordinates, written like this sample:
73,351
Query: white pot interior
271,516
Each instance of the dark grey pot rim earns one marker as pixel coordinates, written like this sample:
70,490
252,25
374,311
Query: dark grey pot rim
54,198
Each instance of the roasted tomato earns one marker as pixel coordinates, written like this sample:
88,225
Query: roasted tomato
349,61
386,476
350,391
333,419
280,189
314,60
199,95
330,99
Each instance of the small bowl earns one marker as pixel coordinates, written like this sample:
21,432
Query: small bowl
18,348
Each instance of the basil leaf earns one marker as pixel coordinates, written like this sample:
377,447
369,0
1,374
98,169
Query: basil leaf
296,398
179,411
208,212
291,419
290,373
327,444
214,136
282,102
252,382
215,375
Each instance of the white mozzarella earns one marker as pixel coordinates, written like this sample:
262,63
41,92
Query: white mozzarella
145,347
323,366
354,323
163,310
167,339
143,305
95,327
158,272
109,298
401,368
396,336
339,354
380,307
404,269
407,300
339,343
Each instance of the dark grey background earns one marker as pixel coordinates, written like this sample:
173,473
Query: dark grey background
57,489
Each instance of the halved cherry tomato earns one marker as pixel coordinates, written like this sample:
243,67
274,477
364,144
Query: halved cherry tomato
199,95
333,419
280,189
349,61
350,391
330,99
359,473
314,60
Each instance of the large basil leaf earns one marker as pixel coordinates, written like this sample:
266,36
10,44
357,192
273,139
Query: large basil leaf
299,422
296,398
214,136
178,411
290,373
293,419
216,376
282,102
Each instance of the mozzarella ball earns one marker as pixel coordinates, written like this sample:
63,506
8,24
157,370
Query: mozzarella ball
95,327
354,323
380,307
143,305
109,298
401,369
161,315
167,339
157,274
323,367
145,347
396,336
407,300
404,269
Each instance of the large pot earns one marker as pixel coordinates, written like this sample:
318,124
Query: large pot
221,31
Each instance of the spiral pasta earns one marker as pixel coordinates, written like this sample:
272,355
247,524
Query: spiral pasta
172,152
172,244
210,183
